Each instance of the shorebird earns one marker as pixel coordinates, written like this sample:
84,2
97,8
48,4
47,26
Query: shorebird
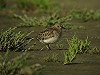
50,35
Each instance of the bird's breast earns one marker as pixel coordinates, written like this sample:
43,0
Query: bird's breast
50,40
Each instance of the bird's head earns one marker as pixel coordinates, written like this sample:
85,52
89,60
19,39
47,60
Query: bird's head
58,26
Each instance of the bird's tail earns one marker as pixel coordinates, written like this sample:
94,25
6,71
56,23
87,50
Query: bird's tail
30,38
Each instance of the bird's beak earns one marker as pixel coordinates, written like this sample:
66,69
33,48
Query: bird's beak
63,27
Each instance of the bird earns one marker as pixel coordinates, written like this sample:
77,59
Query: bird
50,35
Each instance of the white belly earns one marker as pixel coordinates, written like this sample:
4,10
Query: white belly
50,40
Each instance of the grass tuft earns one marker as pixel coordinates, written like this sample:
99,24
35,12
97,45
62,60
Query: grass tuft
13,41
52,58
18,65
35,4
76,46
85,14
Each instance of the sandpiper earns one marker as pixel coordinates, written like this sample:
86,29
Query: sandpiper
50,35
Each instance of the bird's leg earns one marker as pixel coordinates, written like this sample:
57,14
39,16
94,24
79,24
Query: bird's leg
42,48
48,46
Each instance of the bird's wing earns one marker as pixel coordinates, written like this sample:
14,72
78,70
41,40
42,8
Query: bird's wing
47,33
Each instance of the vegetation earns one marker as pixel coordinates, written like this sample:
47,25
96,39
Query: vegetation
52,58
26,5
35,69
10,40
84,46
16,65
72,50
43,21
2,4
75,45
94,51
85,14
46,13
47,21
34,4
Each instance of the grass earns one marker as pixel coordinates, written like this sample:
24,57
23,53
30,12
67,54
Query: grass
47,21
34,4
13,41
2,4
84,46
94,51
52,58
72,50
85,14
17,65
12,66
28,5
76,46
35,69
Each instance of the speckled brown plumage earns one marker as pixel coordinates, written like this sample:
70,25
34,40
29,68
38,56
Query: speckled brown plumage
50,35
